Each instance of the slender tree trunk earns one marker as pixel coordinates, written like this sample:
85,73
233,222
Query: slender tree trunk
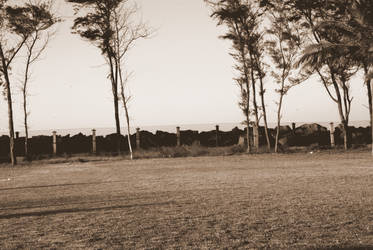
264,114
116,109
256,140
128,130
248,150
345,134
369,95
344,119
277,136
24,93
247,83
116,114
256,127
261,93
345,131
11,126
126,111
247,112
278,122
127,115
114,86
371,117
116,101
13,158
25,83
369,88
26,129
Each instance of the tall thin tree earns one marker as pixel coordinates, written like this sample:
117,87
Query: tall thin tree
37,38
106,24
242,18
331,65
260,67
125,100
15,21
283,46
357,41
126,34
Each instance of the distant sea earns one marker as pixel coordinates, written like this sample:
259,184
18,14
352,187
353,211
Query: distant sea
169,128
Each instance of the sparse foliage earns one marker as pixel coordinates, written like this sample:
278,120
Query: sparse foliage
17,24
37,37
229,13
109,25
330,63
355,41
283,46
242,18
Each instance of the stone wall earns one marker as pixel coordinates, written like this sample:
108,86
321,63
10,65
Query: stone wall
305,135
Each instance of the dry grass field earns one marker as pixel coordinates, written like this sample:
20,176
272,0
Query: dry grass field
299,201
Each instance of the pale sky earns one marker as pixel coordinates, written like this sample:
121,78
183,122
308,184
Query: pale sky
182,75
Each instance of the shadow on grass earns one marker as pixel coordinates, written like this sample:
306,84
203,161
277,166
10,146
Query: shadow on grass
363,247
61,204
60,185
76,210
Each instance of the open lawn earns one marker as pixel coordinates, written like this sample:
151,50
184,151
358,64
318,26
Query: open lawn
318,200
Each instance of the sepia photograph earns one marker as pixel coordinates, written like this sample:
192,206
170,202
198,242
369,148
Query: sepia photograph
186,124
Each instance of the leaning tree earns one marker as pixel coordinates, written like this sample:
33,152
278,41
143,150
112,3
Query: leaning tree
36,38
17,23
283,46
107,25
242,18
356,41
333,65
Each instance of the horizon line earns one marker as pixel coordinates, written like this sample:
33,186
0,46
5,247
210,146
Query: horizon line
154,127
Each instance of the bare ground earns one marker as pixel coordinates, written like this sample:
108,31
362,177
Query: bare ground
301,201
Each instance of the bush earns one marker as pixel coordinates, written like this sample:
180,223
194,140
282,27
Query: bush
174,152
237,149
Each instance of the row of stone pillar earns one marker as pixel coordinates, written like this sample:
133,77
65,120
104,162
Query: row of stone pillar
94,144
332,141
178,138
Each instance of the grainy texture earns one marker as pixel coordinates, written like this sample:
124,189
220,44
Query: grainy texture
297,201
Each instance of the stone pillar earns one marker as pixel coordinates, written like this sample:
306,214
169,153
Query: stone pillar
256,137
217,135
293,126
332,141
138,138
54,142
178,139
94,147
